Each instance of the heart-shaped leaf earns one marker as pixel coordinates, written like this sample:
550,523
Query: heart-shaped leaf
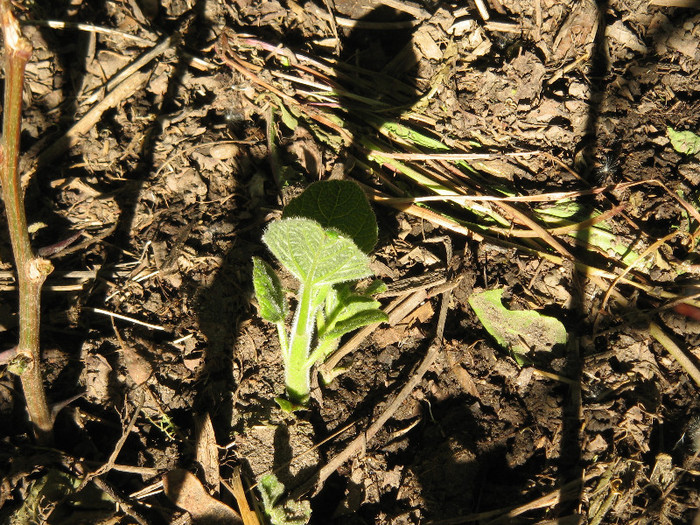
340,205
315,256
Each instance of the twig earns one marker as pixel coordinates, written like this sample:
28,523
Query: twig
363,24
675,3
548,500
132,68
197,62
127,507
90,28
453,156
31,270
109,465
334,25
227,54
672,348
236,488
407,301
483,10
502,27
411,8
126,318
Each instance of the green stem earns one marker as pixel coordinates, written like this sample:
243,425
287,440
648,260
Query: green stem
284,344
324,348
296,370
31,270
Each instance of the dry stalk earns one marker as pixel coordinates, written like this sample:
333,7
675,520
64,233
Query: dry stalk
31,269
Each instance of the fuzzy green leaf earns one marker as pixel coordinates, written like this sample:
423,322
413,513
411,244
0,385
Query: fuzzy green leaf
523,332
312,255
269,292
279,511
685,142
355,304
340,205
375,287
360,319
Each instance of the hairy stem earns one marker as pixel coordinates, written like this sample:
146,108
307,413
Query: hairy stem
31,270
296,370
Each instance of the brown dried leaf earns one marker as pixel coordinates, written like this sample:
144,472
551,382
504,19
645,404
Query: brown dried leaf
186,491
138,368
207,451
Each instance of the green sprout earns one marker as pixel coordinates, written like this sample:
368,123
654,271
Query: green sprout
322,240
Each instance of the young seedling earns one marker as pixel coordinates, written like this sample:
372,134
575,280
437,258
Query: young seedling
321,244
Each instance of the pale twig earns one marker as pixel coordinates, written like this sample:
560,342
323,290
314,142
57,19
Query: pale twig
305,452
134,66
548,500
411,8
483,10
452,156
334,26
90,28
461,198
126,318
675,3
197,62
409,298
672,348
226,53
502,27
248,515
362,24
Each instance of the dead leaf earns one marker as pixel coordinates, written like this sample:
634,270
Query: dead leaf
465,380
621,34
304,147
186,491
577,32
224,151
138,368
207,451
426,43
421,314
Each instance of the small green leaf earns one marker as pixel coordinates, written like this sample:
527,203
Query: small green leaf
375,287
288,406
289,120
521,332
355,304
340,205
685,142
279,511
360,319
314,257
269,292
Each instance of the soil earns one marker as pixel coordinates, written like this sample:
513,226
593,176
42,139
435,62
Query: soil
171,189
